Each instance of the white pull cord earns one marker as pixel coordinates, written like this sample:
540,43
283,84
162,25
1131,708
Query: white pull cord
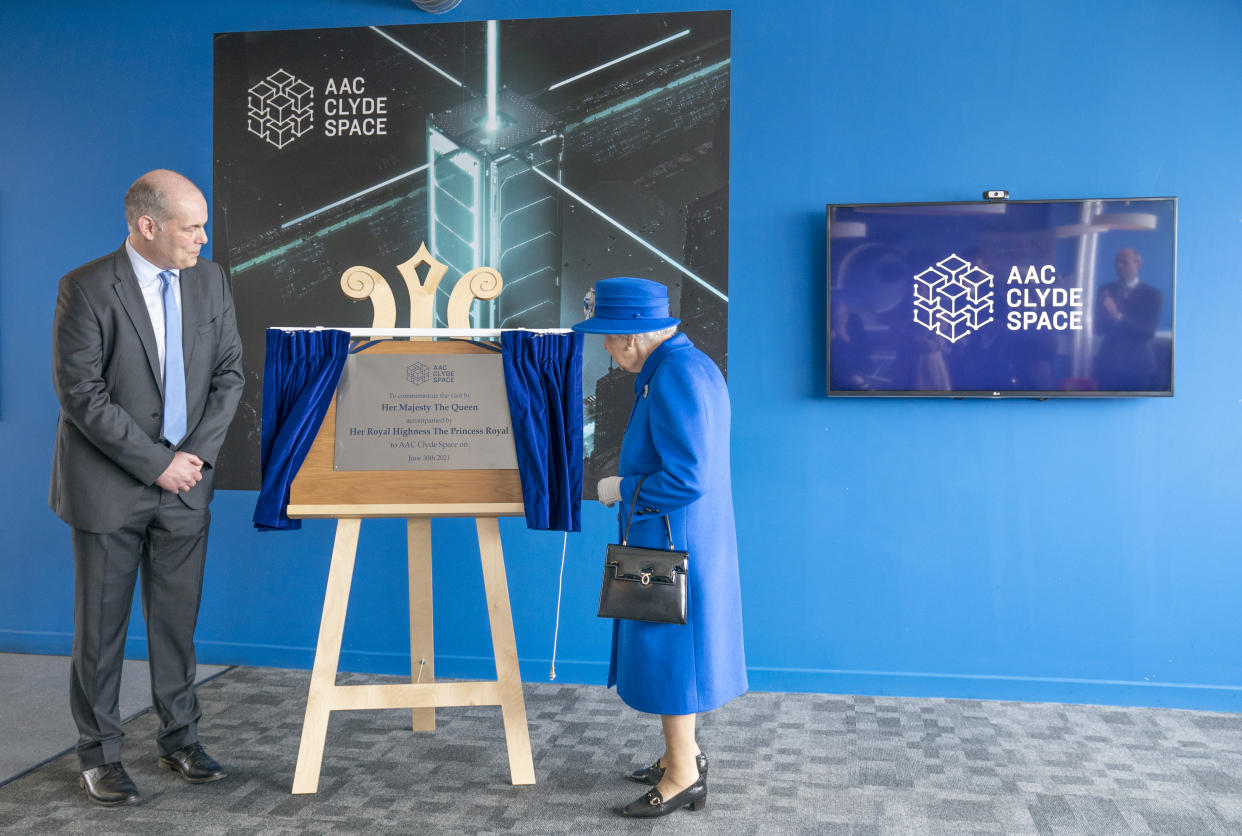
557,629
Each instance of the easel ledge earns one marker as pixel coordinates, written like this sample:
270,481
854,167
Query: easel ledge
464,509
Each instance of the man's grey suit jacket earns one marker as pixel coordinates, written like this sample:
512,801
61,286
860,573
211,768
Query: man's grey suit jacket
106,371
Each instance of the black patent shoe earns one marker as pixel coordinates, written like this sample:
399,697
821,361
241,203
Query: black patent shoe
654,774
652,805
193,764
109,785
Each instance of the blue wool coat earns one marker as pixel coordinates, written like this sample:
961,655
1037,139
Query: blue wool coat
678,437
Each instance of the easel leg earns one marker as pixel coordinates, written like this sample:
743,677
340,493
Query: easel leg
327,655
422,626
504,644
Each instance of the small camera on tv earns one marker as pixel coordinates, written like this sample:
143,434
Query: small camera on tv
996,194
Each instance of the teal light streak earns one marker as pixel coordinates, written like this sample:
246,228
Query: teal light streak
344,222
639,99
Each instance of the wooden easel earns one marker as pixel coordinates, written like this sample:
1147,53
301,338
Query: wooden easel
418,496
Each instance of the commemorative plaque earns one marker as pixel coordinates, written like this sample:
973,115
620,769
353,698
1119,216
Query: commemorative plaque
423,412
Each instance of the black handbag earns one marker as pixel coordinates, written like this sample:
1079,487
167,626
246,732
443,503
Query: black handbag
642,584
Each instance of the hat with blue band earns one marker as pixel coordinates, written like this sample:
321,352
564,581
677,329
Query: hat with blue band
626,306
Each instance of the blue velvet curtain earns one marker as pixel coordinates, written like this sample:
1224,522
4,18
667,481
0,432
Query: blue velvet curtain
300,372
543,375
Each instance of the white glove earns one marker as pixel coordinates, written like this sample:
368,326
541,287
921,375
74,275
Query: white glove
609,490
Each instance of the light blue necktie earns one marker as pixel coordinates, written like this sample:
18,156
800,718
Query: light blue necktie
174,365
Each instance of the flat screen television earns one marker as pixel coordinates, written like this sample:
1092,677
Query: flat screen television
1013,298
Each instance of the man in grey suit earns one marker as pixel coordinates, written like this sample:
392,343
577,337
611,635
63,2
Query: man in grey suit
146,362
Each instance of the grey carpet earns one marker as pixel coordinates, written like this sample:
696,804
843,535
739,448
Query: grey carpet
780,763
35,723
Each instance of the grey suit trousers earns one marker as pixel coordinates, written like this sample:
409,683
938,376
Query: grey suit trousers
166,542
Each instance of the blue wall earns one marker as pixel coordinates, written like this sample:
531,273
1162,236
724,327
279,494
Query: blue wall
1072,551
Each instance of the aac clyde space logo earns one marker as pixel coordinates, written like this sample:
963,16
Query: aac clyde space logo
281,108
419,373
954,298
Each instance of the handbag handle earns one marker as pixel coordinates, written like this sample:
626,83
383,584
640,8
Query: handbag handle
668,528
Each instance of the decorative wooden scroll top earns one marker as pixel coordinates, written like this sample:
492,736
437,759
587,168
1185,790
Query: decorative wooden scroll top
361,282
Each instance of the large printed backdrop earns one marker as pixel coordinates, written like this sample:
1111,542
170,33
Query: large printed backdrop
344,147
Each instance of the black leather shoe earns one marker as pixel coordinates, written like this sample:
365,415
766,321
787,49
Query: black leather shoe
109,785
651,805
193,764
654,774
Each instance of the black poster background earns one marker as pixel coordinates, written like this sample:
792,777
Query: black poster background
644,141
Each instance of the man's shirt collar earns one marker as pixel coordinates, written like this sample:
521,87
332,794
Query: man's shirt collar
147,273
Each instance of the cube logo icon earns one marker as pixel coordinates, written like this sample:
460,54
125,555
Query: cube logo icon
280,108
418,373
953,298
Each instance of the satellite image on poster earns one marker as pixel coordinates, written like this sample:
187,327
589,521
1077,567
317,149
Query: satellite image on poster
554,151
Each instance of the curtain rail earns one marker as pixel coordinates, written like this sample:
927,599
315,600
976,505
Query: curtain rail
467,333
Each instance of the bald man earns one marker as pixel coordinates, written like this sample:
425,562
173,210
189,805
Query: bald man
146,362
1127,313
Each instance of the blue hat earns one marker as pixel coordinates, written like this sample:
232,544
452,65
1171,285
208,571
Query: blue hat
626,306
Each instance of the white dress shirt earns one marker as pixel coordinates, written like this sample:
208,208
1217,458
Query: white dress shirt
152,293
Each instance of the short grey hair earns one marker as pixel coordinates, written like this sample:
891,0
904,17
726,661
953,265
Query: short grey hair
655,337
144,198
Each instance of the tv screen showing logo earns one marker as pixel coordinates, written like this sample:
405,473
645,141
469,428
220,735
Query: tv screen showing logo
1066,297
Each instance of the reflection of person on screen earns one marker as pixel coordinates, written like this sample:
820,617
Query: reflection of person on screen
920,364
850,350
1126,315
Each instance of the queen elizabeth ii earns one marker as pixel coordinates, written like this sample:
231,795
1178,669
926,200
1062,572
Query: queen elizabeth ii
676,445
